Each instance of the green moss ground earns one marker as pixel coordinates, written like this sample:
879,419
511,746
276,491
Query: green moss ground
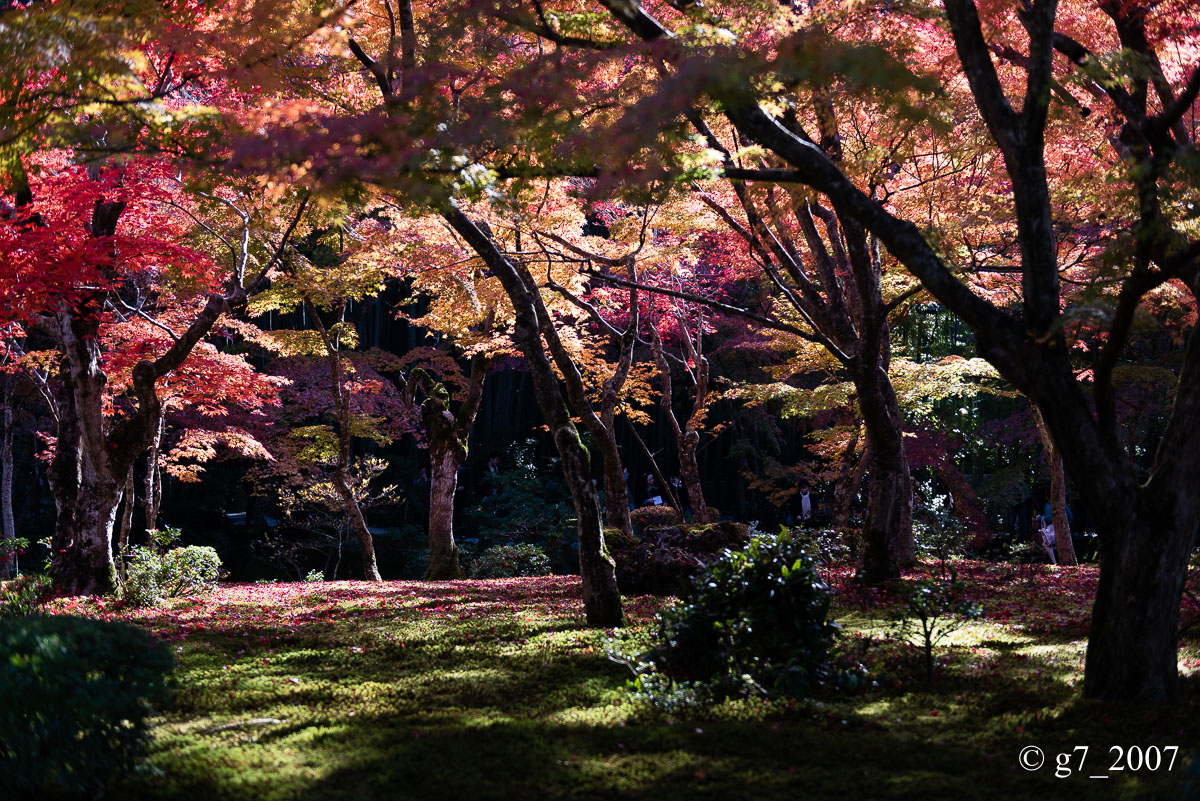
477,690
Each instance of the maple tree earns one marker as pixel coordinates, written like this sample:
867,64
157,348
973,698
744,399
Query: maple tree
623,248
994,152
446,432
395,70
1144,546
324,274
82,247
468,311
835,287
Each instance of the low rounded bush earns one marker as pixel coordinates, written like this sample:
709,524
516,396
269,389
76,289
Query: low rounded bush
193,570
509,561
648,517
74,697
753,622
665,557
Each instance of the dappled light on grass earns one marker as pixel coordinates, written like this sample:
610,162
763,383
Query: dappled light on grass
494,689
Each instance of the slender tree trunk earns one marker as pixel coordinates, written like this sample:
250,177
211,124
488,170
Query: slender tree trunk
689,474
128,501
152,483
341,472
7,552
444,462
1064,546
341,482
616,494
687,438
601,598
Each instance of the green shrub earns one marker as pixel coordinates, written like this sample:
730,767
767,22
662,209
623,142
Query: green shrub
824,544
507,561
25,595
193,570
527,502
142,586
74,697
753,623
648,517
150,578
933,609
165,538
314,575
941,537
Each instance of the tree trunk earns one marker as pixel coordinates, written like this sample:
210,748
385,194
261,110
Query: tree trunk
616,500
86,491
7,552
1147,531
448,435
616,494
1133,648
689,474
341,481
601,598
152,484
887,531
87,566
128,499
1063,545
444,462
687,438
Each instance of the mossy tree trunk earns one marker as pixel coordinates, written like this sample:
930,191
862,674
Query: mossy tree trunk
447,433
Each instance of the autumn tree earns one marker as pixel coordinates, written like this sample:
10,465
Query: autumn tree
446,434
467,312
394,70
330,269
629,242
73,265
1147,523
